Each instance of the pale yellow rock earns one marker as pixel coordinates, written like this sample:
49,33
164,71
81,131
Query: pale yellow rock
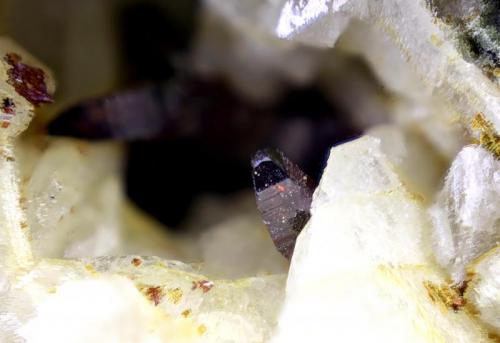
135,299
14,246
363,268
484,288
72,207
418,164
74,192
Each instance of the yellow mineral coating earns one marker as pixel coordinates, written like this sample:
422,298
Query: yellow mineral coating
174,295
488,138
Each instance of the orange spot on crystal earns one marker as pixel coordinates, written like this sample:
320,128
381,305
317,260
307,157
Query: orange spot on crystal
280,188
136,261
204,285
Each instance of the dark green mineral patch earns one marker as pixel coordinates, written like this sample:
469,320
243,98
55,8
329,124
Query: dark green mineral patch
477,27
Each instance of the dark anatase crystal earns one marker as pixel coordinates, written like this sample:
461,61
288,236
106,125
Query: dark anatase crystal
284,195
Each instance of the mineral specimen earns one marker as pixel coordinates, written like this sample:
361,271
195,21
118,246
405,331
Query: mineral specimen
69,206
483,290
14,246
466,215
363,268
373,262
283,195
403,41
121,300
28,81
476,29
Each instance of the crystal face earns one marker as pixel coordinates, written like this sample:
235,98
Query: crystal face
466,215
364,261
284,195
399,242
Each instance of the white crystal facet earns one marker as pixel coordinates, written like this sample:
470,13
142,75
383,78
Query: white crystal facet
466,215
484,289
362,268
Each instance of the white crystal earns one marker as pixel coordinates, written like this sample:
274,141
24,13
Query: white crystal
14,246
73,192
418,164
419,44
484,289
136,299
361,265
73,207
466,215
90,310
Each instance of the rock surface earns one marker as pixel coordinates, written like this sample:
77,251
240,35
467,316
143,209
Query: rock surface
466,215
70,205
484,290
363,266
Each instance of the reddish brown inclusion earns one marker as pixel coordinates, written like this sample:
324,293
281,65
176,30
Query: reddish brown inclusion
8,106
29,82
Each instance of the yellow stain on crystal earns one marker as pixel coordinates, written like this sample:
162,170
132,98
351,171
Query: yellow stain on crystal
174,295
488,138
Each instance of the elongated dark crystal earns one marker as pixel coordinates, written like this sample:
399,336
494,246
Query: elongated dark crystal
183,108
130,114
284,195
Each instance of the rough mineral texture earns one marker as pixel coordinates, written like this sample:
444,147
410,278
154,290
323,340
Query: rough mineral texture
484,288
414,51
380,282
63,199
402,242
135,299
467,213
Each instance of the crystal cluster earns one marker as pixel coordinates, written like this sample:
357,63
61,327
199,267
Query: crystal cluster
363,266
402,233
63,198
467,215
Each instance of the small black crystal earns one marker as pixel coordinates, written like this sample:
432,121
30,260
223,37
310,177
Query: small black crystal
284,195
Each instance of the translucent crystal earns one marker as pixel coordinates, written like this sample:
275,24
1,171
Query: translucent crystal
137,299
14,246
70,204
466,215
284,194
362,268
484,290
73,192
419,165
423,42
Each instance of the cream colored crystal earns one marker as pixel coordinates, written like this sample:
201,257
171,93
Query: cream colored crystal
72,191
414,158
408,48
362,267
484,288
14,246
136,299
466,215
70,204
